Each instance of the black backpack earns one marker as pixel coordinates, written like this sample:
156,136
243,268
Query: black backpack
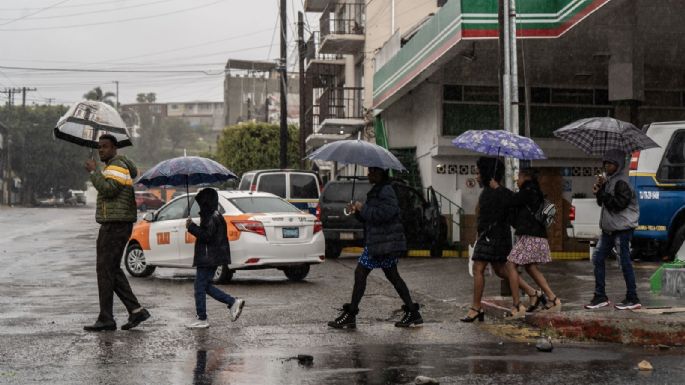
546,213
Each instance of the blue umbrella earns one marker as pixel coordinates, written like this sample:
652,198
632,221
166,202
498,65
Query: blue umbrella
358,152
499,143
186,170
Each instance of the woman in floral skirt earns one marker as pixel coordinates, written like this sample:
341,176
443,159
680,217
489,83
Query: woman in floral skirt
532,247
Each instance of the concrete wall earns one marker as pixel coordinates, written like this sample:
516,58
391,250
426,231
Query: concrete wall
379,23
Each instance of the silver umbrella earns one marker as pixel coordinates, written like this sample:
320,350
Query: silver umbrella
85,121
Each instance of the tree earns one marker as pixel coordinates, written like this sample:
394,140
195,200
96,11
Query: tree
97,94
178,132
43,163
251,146
150,97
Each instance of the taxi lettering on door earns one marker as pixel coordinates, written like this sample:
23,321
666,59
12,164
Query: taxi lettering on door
163,238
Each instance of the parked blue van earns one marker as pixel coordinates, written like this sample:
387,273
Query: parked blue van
658,176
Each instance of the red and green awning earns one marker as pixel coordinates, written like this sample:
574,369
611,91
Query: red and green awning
461,20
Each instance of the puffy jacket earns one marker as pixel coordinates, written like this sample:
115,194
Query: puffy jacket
493,223
211,244
620,210
116,200
383,230
525,203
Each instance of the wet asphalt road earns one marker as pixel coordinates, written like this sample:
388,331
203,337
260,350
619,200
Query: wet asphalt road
48,292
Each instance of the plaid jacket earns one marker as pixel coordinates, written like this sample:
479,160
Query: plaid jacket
116,199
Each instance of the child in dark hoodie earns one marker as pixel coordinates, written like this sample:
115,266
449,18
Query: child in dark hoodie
618,220
211,251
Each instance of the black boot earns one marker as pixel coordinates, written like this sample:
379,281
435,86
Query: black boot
346,319
412,317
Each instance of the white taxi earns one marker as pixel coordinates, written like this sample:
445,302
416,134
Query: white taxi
264,232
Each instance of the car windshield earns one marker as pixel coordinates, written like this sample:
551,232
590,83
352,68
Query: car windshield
245,182
342,192
263,205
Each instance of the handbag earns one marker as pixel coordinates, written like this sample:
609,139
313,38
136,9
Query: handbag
485,245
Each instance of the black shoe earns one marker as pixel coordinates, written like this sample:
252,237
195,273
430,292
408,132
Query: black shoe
598,301
135,319
480,316
100,326
412,317
629,304
346,319
540,300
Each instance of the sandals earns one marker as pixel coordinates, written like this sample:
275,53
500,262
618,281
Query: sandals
553,306
540,300
480,316
517,312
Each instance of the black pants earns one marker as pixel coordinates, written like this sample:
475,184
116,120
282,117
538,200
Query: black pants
391,273
111,242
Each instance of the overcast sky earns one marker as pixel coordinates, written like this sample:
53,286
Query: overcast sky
159,35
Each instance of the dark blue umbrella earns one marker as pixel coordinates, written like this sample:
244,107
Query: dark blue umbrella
358,152
186,170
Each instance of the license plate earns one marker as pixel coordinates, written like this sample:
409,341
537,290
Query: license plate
291,232
347,236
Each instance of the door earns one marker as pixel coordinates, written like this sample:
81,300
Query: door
165,234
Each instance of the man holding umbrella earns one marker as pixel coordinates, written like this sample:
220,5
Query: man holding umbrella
116,213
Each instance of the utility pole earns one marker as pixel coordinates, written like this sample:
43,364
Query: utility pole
24,90
284,86
302,49
117,83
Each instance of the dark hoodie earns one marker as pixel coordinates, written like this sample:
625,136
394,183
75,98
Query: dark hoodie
211,245
620,210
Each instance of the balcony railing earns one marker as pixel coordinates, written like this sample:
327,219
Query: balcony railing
341,103
313,51
343,19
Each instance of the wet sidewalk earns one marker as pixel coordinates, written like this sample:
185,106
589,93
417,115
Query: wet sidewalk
660,322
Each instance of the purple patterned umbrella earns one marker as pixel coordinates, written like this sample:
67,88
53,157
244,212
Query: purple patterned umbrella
499,143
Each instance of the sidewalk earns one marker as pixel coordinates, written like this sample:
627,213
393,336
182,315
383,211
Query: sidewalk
661,321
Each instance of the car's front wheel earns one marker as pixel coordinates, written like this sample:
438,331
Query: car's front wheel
222,274
135,261
296,273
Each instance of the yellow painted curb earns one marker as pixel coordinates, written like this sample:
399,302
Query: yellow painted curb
556,255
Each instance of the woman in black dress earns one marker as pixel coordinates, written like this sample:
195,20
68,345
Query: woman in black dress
494,235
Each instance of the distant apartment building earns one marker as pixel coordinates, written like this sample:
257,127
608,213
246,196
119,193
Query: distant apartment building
199,114
252,93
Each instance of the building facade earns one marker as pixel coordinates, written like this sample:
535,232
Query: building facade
577,59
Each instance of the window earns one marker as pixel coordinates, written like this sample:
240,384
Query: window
246,182
303,186
175,210
672,167
195,209
342,192
263,205
272,183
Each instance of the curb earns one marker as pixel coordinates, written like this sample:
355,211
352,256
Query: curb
622,327
423,253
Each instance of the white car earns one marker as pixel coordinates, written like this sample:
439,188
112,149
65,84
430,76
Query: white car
264,232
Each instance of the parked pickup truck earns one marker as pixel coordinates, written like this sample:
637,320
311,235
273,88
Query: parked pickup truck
584,220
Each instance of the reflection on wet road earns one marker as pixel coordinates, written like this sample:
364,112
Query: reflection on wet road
48,293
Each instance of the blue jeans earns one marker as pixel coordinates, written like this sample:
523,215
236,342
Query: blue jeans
621,239
203,285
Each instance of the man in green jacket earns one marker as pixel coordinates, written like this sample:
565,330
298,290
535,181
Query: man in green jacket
116,213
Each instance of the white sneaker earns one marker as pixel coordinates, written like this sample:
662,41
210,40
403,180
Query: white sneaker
237,308
199,324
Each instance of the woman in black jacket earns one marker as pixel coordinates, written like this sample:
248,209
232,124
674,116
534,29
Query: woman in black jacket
494,236
532,247
384,243
211,250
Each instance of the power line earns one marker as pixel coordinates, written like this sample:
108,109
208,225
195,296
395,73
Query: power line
101,70
113,21
65,6
34,13
92,12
